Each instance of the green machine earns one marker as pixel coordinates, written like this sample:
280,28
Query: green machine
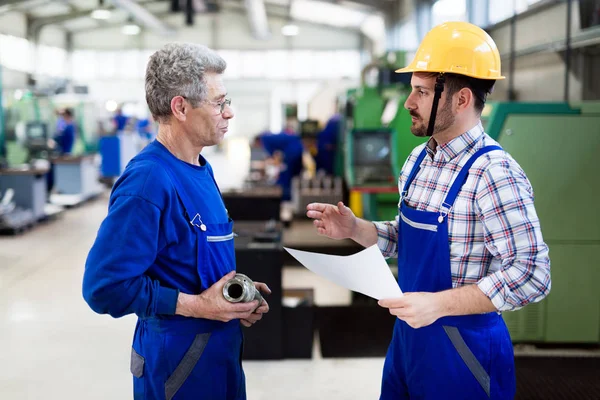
377,138
556,144
2,134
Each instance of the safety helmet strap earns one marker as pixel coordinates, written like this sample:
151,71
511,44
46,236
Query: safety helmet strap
439,88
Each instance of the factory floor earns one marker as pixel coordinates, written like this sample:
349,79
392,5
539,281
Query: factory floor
52,346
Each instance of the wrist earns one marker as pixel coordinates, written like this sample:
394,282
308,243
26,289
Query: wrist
187,305
442,305
354,231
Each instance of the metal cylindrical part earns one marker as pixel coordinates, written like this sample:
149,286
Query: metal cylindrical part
241,289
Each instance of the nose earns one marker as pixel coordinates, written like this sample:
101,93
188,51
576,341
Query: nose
227,112
409,104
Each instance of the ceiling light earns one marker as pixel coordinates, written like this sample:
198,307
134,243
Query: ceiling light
101,13
131,29
111,105
290,30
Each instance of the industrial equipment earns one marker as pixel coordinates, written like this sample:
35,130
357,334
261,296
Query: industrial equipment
556,144
13,219
376,138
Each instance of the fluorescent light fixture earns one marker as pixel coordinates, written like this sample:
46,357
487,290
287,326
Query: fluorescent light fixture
131,29
101,13
327,13
290,30
111,106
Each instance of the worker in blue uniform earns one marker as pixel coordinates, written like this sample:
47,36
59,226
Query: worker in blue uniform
120,120
289,144
166,247
327,141
62,143
467,236
65,138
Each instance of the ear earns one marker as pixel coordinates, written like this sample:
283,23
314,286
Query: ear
179,108
464,98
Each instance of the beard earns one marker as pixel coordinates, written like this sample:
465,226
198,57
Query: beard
444,120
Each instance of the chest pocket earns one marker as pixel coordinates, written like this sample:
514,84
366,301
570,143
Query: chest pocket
216,253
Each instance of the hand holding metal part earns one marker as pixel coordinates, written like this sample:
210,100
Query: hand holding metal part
241,289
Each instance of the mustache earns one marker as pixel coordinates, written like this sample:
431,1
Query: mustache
414,114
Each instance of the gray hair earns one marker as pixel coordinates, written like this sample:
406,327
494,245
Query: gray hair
178,70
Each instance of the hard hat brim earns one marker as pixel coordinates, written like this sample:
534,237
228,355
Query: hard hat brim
409,70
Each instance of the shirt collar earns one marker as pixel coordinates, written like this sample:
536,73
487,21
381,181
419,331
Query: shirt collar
457,145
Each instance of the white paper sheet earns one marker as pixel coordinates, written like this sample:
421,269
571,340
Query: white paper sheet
365,272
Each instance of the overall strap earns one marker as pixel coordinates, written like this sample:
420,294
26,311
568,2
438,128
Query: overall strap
411,177
462,177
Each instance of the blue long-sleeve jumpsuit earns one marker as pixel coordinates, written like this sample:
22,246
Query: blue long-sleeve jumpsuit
167,231
291,147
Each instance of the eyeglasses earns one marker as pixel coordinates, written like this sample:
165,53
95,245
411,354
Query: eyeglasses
221,105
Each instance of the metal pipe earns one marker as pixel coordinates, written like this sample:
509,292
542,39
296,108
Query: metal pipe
568,50
241,289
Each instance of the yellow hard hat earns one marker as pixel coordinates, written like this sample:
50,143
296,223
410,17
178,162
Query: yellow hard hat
459,48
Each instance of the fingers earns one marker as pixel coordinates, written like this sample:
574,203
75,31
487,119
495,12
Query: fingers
392,303
402,313
321,207
242,308
251,320
246,323
315,214
262,287
254,318
343,209
319,224
263,309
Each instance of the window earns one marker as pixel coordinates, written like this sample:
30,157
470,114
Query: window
500,10
10,46
51,61
449,10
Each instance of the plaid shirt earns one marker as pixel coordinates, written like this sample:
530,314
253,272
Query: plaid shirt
494,231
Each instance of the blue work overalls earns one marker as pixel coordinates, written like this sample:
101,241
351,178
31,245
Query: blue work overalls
459,357
175,357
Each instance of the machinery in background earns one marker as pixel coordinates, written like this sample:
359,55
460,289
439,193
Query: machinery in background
320,189
314,186
28,122
376,138
556,144
13,219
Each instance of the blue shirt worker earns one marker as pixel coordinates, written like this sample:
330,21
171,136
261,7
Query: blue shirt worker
290,145
165,249
65,139
327,141
120,121
467,236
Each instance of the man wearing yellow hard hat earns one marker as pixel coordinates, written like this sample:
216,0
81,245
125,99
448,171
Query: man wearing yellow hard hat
467,236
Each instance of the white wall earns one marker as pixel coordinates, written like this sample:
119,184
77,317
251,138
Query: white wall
232,32
539,76
256,102
54,36
13,23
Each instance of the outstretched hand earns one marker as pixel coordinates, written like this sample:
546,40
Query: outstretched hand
335,222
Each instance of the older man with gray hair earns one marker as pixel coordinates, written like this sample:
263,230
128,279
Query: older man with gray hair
165,250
